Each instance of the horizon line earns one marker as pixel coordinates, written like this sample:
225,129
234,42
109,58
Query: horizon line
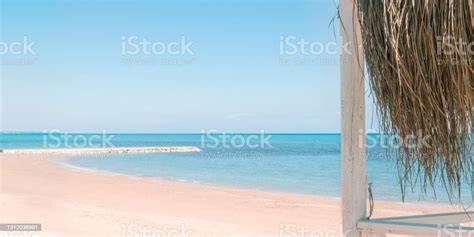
186,133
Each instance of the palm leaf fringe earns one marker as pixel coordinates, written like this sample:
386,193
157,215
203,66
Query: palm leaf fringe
422,85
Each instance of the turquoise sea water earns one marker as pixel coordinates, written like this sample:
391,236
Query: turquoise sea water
297,163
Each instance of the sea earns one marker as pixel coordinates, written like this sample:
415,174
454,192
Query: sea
293,163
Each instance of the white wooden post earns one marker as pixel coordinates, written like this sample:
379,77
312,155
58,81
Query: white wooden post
353,122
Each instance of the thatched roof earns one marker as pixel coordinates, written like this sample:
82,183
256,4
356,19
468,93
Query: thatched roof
422,85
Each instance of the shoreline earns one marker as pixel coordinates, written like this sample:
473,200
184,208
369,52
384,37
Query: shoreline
164,179
222,185
70,201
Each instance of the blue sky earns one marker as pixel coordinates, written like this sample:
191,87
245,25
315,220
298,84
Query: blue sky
236,80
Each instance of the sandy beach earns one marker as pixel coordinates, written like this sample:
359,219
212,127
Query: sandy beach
74,202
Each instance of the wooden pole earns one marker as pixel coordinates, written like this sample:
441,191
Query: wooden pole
471,3
353,122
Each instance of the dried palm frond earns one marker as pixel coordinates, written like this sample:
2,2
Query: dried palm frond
422,85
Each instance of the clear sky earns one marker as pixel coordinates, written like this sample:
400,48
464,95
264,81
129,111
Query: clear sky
236,80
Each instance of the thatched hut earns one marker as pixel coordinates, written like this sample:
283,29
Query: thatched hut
418,58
